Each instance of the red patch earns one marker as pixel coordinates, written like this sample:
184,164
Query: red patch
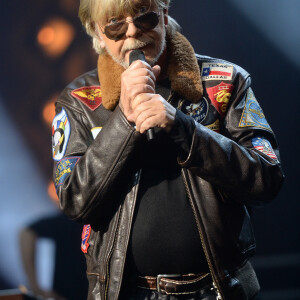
89,95
220,96
86,232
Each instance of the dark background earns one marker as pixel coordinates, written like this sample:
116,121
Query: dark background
261,36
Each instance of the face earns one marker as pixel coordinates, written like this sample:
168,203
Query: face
152,42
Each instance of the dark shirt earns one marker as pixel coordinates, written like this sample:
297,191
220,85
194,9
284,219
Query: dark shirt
164,238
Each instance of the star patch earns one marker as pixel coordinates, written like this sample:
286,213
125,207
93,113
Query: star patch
264,146
64,168
89,96
61,130
196,110
214,126
219,96
86,232
253,115
215,71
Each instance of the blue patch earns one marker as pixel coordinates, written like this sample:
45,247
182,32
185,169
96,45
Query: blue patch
196,110
61,130
253,115
64,168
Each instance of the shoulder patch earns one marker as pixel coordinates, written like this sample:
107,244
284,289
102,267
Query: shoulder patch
64,168
219,96
89,96
61,130
196,110
86,232
264,146
253,115
216,71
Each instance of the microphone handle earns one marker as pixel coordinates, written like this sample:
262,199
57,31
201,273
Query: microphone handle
134,55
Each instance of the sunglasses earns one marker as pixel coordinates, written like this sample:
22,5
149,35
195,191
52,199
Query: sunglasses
145,22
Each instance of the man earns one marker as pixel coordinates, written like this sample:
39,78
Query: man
166,218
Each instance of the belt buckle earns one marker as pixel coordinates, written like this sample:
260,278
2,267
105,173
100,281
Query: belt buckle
160,276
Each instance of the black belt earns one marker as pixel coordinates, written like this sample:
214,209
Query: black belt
175,284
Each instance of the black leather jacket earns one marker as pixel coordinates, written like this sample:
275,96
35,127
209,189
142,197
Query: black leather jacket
224,172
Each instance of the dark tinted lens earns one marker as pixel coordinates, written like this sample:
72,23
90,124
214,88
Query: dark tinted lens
147,21
144,22
115,31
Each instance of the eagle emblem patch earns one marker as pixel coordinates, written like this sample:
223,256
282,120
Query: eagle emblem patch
89,96
198,111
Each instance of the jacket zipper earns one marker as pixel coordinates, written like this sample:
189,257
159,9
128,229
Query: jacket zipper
110,254
215,284
137,180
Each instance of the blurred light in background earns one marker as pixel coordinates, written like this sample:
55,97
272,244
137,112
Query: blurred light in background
55,36
52,193
278,20
49,110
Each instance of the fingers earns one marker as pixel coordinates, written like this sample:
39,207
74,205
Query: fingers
139,78
156,71
152,110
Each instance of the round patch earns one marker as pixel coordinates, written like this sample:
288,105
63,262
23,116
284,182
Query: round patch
60,134
196,110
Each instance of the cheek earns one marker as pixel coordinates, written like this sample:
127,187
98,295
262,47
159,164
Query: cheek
116,47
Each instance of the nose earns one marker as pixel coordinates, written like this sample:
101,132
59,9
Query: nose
132,30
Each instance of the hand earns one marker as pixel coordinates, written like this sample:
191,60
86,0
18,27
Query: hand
150,110
137,79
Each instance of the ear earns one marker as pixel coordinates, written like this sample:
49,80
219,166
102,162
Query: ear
101,41
166,13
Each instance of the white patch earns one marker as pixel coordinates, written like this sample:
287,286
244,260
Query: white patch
95,131
215,71
61,130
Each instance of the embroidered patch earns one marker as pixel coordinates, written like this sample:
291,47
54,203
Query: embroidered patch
215,71
264,146
64,168
86,232
196,110
89,95
60,134
95,131
214,126
253,115
219,96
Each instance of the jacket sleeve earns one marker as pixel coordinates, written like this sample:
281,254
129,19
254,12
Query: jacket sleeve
235,160
87,171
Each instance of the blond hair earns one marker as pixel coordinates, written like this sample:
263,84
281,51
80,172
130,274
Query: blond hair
96,11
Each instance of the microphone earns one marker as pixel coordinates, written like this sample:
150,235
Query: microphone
134,55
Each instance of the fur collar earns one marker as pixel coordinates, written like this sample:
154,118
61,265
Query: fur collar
183,72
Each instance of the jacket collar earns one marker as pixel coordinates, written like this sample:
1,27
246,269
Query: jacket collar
183,72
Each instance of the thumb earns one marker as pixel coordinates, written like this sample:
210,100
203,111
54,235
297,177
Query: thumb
156,70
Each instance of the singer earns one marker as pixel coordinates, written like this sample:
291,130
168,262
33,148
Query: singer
165,218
